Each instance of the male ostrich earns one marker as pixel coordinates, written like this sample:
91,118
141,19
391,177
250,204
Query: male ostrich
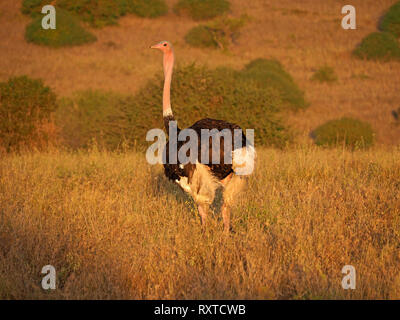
199,179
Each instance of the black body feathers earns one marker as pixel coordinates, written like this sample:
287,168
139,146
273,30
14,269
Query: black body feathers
219,170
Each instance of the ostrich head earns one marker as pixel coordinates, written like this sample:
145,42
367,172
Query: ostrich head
168,61
163,46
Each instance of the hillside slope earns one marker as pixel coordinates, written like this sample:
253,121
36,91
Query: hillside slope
302,34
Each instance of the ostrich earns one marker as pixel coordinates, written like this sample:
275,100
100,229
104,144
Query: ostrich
201,179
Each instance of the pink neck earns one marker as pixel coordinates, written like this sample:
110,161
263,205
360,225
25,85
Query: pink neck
168,67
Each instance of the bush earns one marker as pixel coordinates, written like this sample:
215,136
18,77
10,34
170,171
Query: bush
26,106
147,8
96,12
391,20
202,9
325,74
250,99
201,37
351,132
94,115
100,13
217,34
68,32
198,92
32,7
270,73
379,46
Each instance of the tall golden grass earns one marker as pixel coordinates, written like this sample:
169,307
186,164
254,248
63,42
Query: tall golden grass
114,227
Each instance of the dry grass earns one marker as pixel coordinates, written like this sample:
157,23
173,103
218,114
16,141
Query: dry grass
302,34
115,228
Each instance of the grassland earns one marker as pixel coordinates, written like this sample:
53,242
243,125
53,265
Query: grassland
114,227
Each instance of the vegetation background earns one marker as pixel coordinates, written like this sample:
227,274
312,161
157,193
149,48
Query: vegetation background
115,228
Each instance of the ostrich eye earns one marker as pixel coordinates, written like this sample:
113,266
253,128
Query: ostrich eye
164,44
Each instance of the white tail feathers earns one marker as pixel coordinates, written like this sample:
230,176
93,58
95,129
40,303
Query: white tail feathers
243,160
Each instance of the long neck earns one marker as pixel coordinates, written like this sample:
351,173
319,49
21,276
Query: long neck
168,67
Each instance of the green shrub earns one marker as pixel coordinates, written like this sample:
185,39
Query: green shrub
350,132
379,46
201,37
94,115
391,20
217,34
147,8
68,32
33,7
250,99
100,13
105,12
26,106
202,9
325,74
270,73
198,92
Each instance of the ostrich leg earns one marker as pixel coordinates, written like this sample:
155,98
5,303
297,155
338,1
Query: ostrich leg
226,216
203,208
232,188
